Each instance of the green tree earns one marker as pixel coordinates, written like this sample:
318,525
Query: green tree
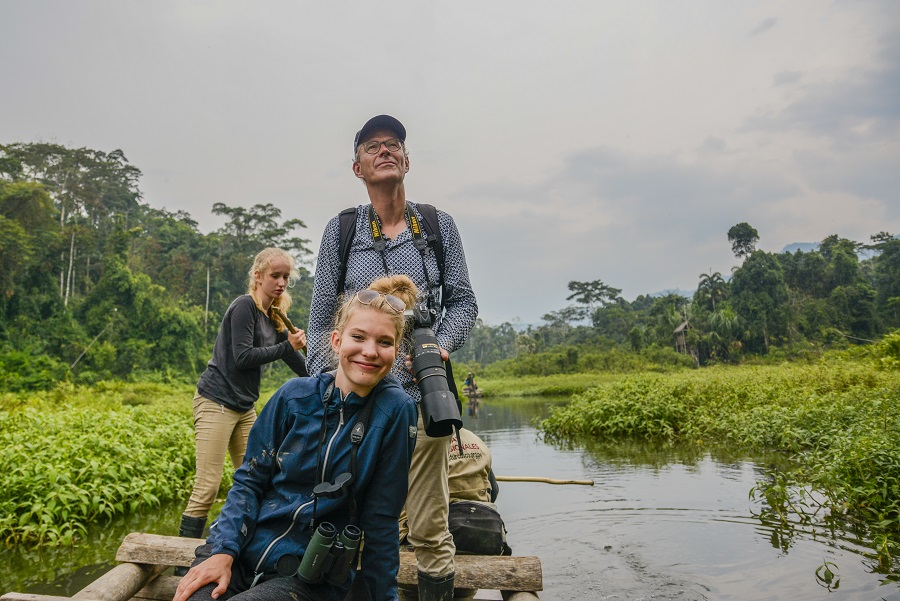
887,277
712,287
743,238
592,294
759,295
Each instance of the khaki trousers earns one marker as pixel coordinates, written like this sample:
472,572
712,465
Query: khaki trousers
217,430
427,504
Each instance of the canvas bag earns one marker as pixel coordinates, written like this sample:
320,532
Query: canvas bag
477,529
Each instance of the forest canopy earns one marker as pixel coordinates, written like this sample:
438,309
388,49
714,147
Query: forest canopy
95,285
85,265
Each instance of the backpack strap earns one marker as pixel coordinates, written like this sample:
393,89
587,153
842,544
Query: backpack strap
347,219
433,229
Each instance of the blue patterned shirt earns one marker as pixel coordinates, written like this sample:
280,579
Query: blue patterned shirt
364,265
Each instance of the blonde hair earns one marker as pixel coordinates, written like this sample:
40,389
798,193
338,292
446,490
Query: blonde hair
397,285
261,265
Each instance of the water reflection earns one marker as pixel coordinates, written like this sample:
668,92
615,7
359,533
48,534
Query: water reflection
661,522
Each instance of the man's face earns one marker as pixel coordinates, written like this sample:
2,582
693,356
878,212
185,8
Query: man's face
383,165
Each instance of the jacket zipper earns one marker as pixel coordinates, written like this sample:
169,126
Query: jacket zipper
308,503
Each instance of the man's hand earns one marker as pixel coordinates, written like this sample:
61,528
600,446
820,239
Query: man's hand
215,569
445,356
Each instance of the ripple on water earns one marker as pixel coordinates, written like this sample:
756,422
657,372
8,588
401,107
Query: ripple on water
661,526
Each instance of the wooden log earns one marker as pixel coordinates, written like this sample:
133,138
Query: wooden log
13,596
163,589
120,583
520,596
516,573
158,589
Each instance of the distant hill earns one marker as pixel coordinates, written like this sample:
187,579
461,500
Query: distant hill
804,246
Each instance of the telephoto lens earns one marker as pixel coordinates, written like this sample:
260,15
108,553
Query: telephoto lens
440,412
312,567
349,538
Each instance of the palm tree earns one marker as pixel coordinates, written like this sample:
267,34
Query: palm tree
713,286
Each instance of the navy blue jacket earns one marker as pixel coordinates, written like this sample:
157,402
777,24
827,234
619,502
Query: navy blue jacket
270,506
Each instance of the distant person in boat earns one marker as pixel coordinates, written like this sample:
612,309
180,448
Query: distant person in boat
251,335
469,385
391,235
328,454
473,517
471,391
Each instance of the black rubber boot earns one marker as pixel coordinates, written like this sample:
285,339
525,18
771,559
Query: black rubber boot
436,588
190,528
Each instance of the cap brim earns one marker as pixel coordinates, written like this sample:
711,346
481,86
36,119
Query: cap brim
377,123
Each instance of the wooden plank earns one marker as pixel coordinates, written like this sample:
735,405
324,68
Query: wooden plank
158,549
516,573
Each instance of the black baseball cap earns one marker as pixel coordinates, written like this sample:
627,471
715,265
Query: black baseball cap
379,122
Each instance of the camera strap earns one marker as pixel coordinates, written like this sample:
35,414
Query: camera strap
378,240
380,245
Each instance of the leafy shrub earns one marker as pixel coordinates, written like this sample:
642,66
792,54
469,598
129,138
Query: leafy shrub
20,370
65,469
887,351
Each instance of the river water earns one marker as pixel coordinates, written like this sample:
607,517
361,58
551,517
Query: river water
659,523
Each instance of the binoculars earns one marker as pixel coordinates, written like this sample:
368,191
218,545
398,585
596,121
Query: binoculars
328,556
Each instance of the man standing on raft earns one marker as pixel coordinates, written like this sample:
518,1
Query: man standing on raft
384,243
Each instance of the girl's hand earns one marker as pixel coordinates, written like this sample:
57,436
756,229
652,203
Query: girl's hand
215,569
298,340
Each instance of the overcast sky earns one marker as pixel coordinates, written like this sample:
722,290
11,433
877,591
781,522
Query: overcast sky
575,140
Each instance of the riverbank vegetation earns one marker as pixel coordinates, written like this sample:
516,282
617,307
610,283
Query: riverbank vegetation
97,285
838,419
75,457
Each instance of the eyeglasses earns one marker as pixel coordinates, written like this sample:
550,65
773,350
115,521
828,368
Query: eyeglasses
373,146
368,296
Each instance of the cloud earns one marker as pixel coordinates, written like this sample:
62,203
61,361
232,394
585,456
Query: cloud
763,26
784,78
641,223
861,106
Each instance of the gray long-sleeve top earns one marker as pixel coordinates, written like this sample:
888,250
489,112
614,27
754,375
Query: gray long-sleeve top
247,340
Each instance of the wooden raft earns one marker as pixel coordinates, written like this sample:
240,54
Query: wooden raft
144,557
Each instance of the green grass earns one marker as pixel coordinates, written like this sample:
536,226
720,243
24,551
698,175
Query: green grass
555,385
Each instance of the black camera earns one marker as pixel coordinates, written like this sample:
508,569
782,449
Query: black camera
440,408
